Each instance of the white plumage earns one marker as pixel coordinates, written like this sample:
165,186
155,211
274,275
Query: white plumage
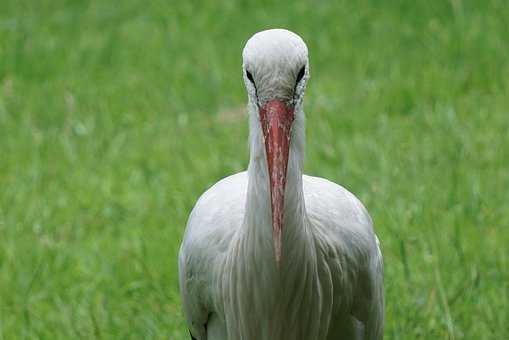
272,254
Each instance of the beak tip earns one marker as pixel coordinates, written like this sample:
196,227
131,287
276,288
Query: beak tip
278,258
277,247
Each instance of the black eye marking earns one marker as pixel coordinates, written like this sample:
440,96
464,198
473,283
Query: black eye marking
251,79
250,76
301,74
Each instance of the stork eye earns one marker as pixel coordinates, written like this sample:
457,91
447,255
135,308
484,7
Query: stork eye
301,74
250,76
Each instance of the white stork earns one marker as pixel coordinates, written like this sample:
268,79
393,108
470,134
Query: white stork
270,253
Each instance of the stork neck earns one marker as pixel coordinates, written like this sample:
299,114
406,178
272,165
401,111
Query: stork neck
257,284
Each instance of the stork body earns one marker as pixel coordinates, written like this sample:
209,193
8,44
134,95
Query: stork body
270,253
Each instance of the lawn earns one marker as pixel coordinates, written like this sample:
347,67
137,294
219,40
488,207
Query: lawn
115,117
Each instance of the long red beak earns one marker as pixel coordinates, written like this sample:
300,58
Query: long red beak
276,120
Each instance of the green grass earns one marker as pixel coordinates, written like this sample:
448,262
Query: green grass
115,116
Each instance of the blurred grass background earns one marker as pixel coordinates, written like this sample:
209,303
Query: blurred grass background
116,115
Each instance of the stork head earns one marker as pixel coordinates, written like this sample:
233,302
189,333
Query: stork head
276,69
